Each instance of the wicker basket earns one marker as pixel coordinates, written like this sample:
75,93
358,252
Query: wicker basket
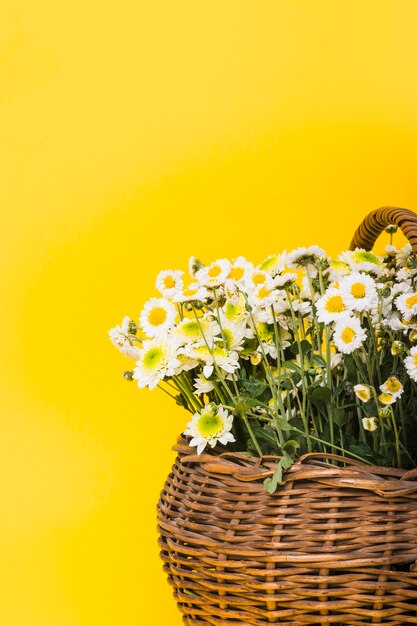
336,544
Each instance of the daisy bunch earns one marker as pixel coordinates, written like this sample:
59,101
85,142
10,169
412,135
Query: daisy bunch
297,353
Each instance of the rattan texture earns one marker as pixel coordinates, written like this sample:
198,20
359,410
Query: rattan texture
375,222
337,544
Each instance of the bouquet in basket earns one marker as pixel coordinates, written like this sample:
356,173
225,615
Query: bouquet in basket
299,353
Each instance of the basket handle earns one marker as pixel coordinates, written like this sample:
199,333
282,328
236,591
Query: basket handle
375,222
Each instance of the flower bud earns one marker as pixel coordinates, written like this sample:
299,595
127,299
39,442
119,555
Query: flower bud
391,229
384,292
384,412
128,375
379,330
369,423
194,265
412,261
413,336
322,262
133,327
397,348
255,358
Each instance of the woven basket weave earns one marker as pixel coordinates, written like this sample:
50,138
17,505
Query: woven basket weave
336,544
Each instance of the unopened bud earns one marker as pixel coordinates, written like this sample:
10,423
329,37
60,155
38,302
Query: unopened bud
128,375
322,262
397,348
255,358
412,261
133,328
413,336
194,265
384,411
391,229
379,330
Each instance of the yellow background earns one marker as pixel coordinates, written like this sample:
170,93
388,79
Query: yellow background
134,134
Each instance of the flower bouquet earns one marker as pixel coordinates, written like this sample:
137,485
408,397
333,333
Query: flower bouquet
300,378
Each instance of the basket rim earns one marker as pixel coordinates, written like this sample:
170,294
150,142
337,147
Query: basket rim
388,482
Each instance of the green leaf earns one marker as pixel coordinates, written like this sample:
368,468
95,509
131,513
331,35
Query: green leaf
305,347
319,395
271,483
291,446
339,416
254,387
318,360
290,365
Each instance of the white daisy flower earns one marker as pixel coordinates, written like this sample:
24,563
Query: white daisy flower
258,278
191,331
284,281
239,270
158,358
225,360
394,321
392,386
202,385
331,306
406,274
386,398
407,305
401,287
361,260
157,317
370,424
215,274
191,293
233,334
263,295
234,310
410,363
363,392
304,256
403,254
119,336
274,264
210,426
359,291
168,282
348,335
338,269
265,333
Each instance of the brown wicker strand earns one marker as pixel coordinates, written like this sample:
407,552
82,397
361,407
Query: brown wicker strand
375,222
337,549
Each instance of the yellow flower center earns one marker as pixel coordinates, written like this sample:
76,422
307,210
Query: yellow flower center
169,282
209,425
265,332
258,279
236,273
214,271
335,304
157,316
363,394
348,335
358,290
190,328
385,398
228,336
411,301
263,292
153,357
393,384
